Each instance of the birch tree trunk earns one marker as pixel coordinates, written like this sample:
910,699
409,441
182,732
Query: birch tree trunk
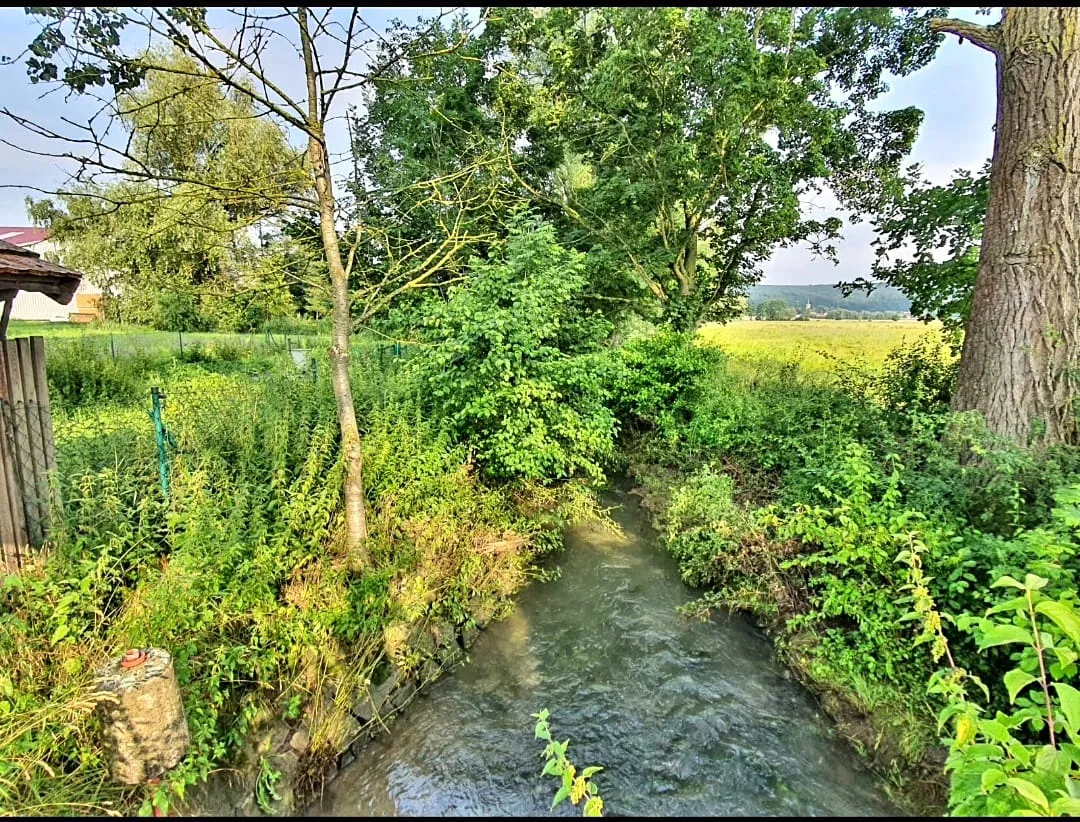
355,512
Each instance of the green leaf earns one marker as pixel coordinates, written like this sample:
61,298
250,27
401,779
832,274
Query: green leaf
60,632
1063,616
562,793
1034,582
1050,761
1014,604
1070,704
592,769
1029,790
994,730
1003,635
1007,580
552,768
1065,806
991,778
1015,681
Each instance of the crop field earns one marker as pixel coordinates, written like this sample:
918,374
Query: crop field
816,344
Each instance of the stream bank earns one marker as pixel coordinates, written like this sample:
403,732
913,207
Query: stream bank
687,717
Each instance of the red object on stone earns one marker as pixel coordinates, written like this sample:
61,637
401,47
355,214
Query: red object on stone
133,658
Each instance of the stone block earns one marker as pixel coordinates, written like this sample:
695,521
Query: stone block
146,732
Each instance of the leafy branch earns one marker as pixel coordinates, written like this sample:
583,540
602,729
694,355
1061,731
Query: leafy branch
574,785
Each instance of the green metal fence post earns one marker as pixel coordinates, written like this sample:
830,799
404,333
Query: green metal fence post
181,333
158,400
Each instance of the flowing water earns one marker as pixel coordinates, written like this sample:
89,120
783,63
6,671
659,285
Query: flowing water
687,718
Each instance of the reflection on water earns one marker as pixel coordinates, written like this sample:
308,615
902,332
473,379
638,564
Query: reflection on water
688,718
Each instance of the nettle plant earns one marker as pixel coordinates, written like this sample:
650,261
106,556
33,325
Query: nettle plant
1025,762
576,786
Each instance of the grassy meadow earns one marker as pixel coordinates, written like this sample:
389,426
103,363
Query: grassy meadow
815,344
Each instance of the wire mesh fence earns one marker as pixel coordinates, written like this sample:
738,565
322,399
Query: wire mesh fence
183,344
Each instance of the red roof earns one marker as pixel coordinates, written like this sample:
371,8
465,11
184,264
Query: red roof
23,235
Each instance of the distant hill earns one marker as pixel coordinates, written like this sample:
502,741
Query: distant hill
824,297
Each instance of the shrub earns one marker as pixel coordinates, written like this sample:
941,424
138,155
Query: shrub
1025,759
705,528
516,368
659,381
178,311
82,372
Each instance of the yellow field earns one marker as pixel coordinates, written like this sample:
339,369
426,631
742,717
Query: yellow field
808,342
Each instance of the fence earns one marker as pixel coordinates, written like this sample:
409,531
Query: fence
27,453
125,343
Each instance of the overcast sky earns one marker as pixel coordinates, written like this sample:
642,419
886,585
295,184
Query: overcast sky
956,92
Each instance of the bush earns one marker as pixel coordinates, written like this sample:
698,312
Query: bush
516,369
179,311
705,529
659,381
82,372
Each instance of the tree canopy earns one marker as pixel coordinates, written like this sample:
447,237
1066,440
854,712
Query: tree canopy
701,129
200,167
929,222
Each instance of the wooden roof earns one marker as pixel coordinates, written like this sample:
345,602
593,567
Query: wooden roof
24,270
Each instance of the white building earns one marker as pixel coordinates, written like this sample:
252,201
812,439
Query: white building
84,306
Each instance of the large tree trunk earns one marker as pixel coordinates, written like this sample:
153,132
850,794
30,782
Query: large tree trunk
1021,349
355,513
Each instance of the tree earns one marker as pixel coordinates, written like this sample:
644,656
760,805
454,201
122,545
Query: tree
448,140
930,220
774,310
1019,366
256,59
704,127
141,243
431,150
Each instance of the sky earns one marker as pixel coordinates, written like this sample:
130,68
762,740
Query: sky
956,92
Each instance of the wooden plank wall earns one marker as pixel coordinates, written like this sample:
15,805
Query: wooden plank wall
27,453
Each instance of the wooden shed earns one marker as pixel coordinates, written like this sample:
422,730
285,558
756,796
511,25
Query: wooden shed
27,452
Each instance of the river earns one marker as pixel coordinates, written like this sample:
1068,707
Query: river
688,718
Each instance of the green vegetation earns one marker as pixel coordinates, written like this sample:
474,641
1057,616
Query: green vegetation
516,366
798,493
545,206
801,497
574,785
241,573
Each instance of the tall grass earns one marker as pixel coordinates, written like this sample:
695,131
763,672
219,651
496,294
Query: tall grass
242,573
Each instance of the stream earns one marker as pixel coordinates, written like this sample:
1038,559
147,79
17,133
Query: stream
688,718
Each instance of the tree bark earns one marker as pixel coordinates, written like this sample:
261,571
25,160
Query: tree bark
1022,344
355,512
686,266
